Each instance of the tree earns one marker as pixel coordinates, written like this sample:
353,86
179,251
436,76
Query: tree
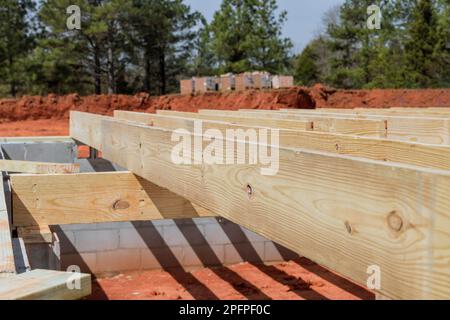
423,37
15,41
247,35
164,33
306,70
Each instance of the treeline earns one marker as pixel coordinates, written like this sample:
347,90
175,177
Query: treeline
410,50
129,46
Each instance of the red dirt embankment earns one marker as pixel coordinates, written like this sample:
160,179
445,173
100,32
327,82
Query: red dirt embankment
18,117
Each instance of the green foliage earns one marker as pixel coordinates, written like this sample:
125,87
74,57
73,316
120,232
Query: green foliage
410,50
247,36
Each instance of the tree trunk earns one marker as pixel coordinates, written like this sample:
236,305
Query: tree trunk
97,71
162,72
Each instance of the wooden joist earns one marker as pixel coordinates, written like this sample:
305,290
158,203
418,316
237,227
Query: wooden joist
344,213
249,121
431,130
42,200
7,264
432,156
350,126
45,285
38,167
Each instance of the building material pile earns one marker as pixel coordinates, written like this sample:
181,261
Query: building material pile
239,82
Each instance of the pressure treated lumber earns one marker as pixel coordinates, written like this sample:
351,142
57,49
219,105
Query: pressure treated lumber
430,130
270,123
387,112
7,265
358,127
44,285
432,156
42,200
344,213
38,167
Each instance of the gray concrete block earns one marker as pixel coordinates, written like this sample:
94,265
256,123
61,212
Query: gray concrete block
162,258
244,252
173,236
140,238
118,260
271,253
214,234
87,262
96,240
254,237
204,255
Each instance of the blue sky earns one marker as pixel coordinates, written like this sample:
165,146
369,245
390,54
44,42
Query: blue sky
304,16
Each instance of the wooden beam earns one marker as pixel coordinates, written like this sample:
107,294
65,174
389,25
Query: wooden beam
44,285
42,200
432,156
429,130
248,121
38,167
7,264
385,112
344,213
350,126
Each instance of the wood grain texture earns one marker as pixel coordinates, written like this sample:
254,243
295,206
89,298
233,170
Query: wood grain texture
38,167
7,265
42,200
43,285
350,126
432,156
344,213
249,121
429,130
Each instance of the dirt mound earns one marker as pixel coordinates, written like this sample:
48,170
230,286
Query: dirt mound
319,96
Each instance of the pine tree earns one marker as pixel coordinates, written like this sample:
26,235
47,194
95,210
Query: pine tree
423,37
306,70
15,41
247,35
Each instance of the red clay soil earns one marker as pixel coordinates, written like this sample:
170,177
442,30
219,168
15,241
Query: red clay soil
294,280
53,111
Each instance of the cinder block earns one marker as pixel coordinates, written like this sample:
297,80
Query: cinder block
165,257
204,221
87,262
173,236
215,234
66,242
254,237
271,253
114,225
193,234
118,260
96,240
77,227
140,238
205,255
244,252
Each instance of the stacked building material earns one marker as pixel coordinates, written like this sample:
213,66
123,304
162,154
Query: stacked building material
244,81
227,82
187,86
281,82
261,80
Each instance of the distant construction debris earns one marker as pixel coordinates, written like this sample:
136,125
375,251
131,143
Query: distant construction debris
236,82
